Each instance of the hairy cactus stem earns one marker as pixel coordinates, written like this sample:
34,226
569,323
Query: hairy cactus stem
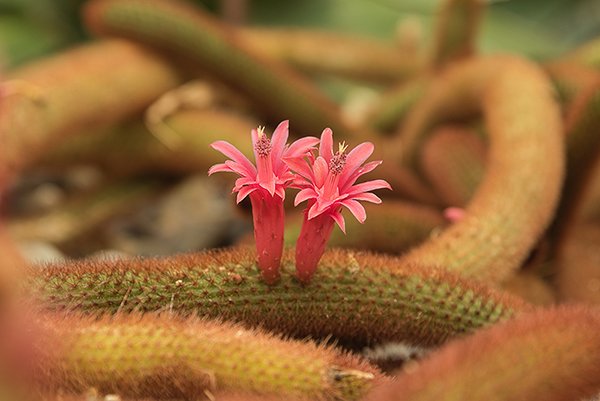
357,298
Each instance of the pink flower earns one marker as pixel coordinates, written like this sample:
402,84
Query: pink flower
328,183
265,184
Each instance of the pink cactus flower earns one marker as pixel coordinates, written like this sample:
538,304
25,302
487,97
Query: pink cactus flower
265,184
327,182
454,214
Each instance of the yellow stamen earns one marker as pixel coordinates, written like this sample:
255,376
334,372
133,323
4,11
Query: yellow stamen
342,147
261,131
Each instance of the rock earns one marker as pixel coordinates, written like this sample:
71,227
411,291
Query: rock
197,214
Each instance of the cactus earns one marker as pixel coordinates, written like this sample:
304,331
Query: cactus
453,161
507,214
98,93
356,297
551,355
186,30
164,357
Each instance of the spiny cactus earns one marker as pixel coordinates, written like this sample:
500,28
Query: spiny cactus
356,297
166,357
178,27
98,93
516,200
551,355
453,161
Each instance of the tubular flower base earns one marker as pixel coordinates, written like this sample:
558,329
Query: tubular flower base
266,184
327,182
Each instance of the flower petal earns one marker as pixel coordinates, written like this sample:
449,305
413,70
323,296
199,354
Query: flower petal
278,141
301,147
355,159
320,171
356,209
367,197
326,147
368,186
305,194
243,192
339,219
219,168
367,168
234,154
300,167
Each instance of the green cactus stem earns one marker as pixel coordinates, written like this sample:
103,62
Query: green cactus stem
392,227
453,162
517,199
550,355
325,52
76,89
188,31
168,357
456,31
358,298
77,217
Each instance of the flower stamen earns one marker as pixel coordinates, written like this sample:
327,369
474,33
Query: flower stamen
263,144
338,161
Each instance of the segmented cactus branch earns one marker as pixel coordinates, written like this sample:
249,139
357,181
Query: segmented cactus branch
517,199
356,297
551,355
167,357
78,88
181,28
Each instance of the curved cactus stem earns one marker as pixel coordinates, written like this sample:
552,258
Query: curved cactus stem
168,357
551,355
77,88
181,28
508,213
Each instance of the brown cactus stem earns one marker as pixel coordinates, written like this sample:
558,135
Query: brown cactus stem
324,52
77,89
577,272
551,354
168,357
187,31
453,161
79,216
355,297
131,148
456,31
507,214
583,149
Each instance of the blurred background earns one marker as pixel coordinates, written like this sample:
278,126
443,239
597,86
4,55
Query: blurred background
540,29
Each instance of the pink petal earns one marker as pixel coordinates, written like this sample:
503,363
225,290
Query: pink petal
367,168
237,168
301,147
305,194
218,168
356,209
243,192
368,186
278,141
313,211
367,197
339,219
320,171
234,154
300,167
280,191
326,147
243,181
355,159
